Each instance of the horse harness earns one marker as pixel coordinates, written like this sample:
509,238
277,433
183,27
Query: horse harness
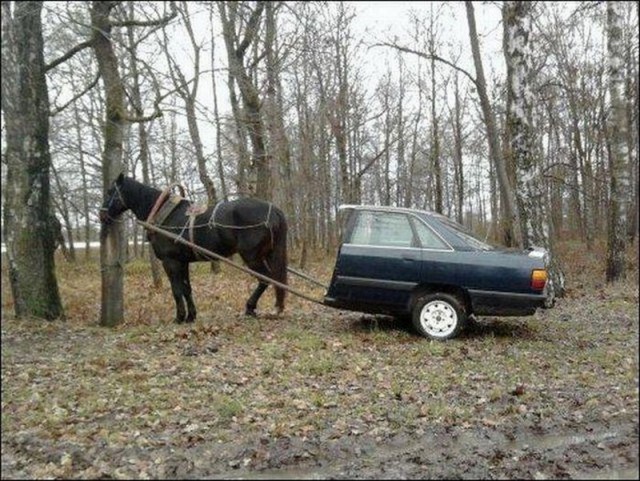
167,202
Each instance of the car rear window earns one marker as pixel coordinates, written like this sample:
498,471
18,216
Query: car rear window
383,229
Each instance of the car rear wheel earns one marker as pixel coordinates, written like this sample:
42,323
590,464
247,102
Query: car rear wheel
439,316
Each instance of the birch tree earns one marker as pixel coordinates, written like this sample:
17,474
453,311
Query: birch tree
529,193
619,152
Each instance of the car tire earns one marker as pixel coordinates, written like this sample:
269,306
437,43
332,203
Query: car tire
439,316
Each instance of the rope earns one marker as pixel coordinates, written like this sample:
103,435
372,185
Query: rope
212,222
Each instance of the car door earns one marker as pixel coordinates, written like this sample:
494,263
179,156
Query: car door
379,262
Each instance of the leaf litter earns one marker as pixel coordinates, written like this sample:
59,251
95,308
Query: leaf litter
317,393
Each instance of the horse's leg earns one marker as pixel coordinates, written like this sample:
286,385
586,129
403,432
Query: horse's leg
252,302
191,307
175,271
277,263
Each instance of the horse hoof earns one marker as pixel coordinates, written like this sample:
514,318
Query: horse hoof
178,321
250,313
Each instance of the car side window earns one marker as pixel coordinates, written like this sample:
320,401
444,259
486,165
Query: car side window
383,229
428,238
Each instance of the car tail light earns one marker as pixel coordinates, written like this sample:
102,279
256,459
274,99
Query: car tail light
538,279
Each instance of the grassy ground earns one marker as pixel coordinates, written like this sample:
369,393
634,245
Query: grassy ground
318,392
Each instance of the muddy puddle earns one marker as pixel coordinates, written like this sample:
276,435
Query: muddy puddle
484,454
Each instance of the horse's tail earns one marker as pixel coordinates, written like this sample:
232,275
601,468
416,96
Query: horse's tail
278,259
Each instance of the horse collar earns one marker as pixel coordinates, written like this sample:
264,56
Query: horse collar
161,200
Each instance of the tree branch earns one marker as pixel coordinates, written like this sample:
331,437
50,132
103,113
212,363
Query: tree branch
373,160
251,30
149,23
68,55
76,97
429,57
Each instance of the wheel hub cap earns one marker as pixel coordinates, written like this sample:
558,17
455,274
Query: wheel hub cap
438,318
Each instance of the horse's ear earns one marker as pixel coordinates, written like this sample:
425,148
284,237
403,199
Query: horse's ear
120,178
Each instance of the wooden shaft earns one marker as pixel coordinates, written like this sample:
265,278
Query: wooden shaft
207,252
304,276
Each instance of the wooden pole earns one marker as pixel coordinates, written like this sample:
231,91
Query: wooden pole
304,276
207,252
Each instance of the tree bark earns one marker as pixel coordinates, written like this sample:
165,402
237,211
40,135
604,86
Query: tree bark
112,239
279,142
29,233
216,114
619,153
529,191
457,154
260,172
188,96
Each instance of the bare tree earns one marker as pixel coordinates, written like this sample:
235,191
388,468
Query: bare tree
188,91
112,236
260,182
136,98
511,218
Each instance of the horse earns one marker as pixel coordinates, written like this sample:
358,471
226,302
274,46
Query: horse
253,228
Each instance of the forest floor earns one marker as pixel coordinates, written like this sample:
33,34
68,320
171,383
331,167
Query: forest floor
318,393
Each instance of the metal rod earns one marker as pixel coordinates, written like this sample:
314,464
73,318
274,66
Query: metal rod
305,276
207,252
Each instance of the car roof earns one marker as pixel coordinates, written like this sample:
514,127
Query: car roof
387,208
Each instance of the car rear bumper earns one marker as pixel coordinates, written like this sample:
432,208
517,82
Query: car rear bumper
492,303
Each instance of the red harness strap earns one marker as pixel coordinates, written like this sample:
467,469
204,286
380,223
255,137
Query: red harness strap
161,200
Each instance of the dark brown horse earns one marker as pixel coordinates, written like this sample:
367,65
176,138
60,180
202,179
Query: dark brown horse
255,229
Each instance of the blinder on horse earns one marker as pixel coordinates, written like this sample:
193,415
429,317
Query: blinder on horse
105,217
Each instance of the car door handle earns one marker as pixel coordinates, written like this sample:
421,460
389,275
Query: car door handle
409,257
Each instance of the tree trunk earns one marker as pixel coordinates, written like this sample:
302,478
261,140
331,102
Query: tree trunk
156,274
618,156
28,231
112,239
457,154
260,181
534,223
511,217
63,207
216,115
279,142
83,176
435,140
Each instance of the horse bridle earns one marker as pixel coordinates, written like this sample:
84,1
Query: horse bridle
111,199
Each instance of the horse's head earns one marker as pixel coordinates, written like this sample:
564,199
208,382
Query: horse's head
114,203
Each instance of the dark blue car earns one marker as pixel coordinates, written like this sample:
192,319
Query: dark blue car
400,261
